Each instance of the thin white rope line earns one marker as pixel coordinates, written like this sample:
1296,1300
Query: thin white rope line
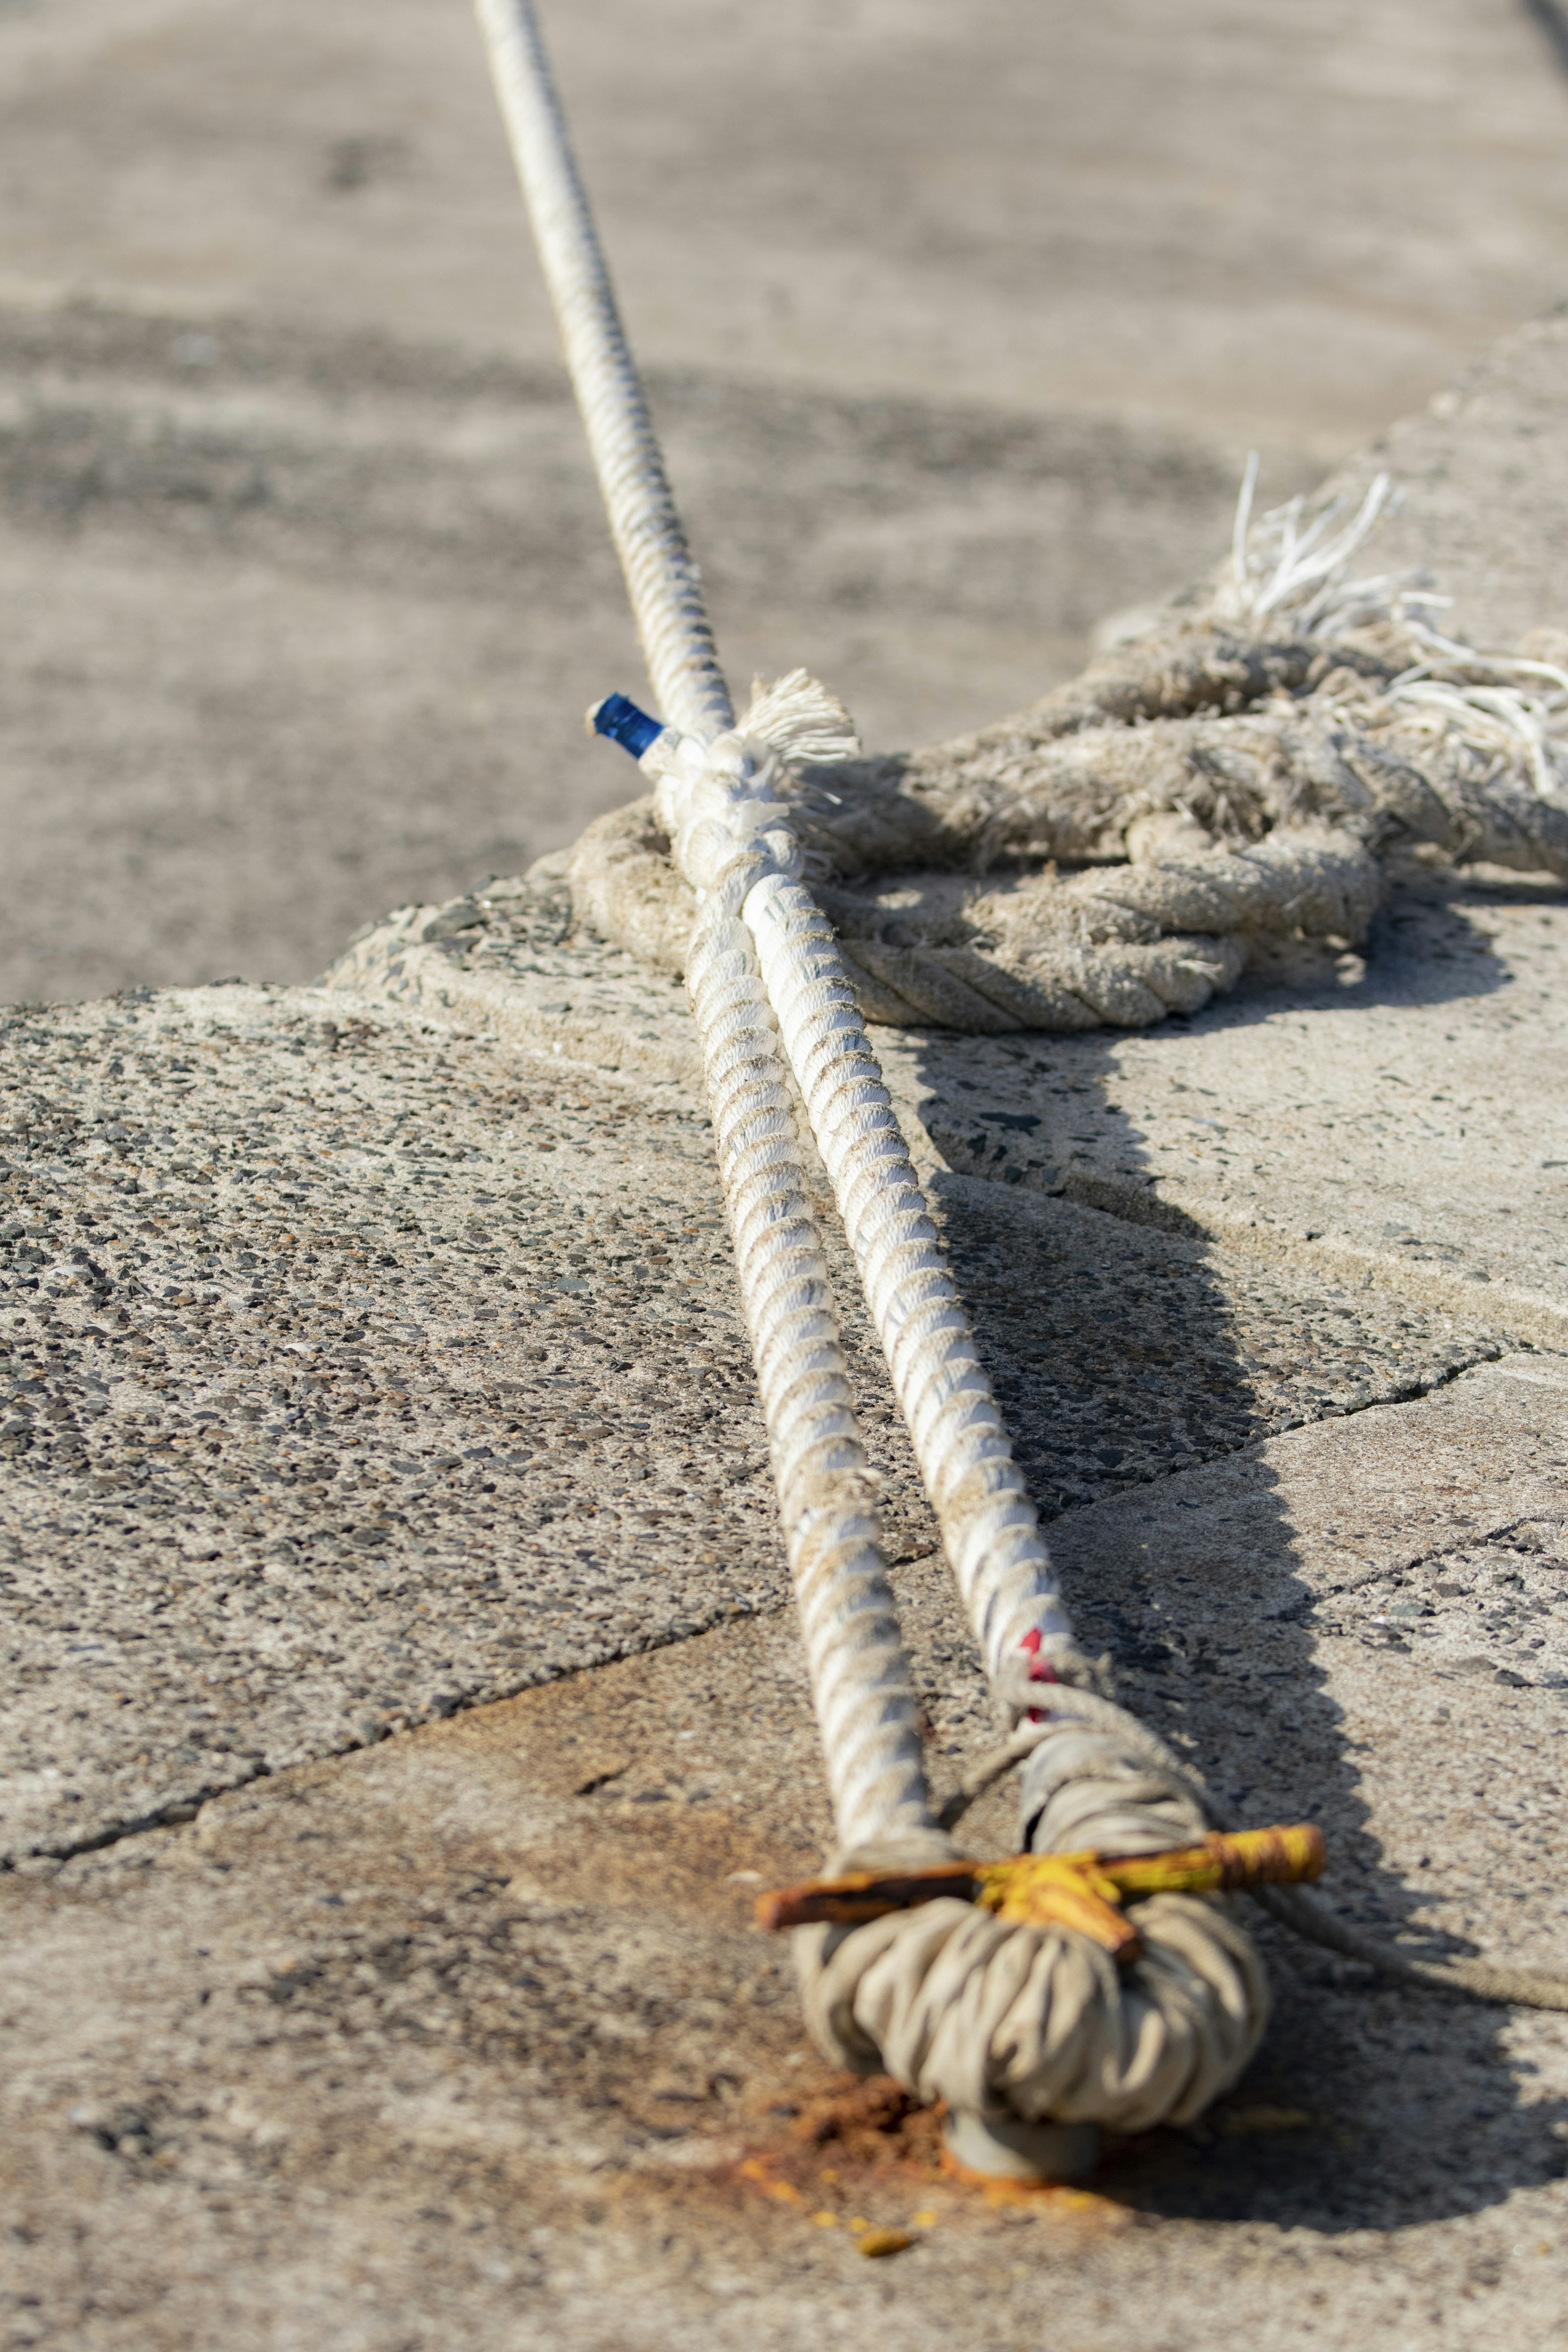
1239,529
667,596
860,1680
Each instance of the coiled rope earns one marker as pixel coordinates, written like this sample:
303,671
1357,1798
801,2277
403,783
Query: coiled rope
1228,789
954,2003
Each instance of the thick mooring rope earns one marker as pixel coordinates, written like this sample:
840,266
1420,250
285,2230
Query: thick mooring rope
860,1684
956,2004
1175,2028
859,1680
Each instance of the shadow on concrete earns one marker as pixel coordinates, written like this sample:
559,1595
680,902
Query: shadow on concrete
1423,949
1552,20
1370,2106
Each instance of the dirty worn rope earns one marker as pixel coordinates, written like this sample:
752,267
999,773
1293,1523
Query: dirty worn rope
714,798
1296,1907
1043,2024
965,2007
1225,792
859,1682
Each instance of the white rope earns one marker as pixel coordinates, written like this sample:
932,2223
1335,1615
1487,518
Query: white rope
1038,2017
861,1686
728,836
989,1526
666,591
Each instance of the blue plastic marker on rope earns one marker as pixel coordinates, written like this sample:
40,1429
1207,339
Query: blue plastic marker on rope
618,718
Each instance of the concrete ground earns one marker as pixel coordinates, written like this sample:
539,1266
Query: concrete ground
960,325
404,1703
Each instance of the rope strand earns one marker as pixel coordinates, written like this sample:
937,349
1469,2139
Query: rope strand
665,585
1166,2037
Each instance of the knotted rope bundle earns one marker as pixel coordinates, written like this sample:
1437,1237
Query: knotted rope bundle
709,874
1224,787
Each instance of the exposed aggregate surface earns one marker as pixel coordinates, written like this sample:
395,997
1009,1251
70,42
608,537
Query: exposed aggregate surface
1116,1350
334,1400
360,1367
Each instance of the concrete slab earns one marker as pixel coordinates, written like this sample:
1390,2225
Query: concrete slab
1318,1527
1402,1128
470,2034
1367,1130
1036,1119
351,1373
363,1364
1297,227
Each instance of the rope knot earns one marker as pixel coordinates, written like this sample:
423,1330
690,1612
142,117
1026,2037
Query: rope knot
714,793
713,797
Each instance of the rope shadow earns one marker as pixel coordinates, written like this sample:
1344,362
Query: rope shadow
1553,22
1427,945
1140,1369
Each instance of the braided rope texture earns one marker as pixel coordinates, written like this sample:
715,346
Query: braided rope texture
859,1680
735,845
989,1526
716,802
666,591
